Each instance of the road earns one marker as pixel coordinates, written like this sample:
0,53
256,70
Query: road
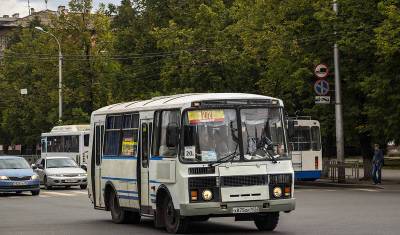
319,211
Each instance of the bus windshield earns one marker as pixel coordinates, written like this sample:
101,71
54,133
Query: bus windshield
209,135
263,134
213,134
306,138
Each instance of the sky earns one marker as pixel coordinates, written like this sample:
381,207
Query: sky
9,7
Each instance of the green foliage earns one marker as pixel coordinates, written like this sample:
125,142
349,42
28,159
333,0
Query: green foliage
143,48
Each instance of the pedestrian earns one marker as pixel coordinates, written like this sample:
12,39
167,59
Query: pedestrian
377,163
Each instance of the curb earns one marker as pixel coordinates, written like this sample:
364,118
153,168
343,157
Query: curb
336,185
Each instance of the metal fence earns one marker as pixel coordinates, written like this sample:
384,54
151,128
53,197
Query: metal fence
351,168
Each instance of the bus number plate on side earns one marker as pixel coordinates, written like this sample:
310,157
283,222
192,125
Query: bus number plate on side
240,210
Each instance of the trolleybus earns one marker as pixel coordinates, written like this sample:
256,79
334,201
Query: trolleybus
306,149
189,157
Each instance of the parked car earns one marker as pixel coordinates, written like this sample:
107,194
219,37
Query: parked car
60,171
17,176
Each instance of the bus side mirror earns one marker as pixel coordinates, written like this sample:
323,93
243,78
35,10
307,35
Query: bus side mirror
172,135
290,128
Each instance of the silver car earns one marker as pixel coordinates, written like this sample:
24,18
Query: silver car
60,171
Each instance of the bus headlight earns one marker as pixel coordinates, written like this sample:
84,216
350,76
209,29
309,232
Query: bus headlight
277,191
207,195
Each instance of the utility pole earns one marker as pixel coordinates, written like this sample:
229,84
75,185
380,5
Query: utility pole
338,110
60,59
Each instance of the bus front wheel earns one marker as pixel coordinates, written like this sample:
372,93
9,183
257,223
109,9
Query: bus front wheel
267,221
174,223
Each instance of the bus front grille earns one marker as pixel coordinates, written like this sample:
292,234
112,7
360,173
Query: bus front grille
280,179
202,182
244,180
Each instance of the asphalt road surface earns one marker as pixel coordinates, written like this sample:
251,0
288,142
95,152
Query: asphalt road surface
319,211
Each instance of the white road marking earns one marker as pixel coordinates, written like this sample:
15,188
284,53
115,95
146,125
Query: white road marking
81,192
58,194
365,190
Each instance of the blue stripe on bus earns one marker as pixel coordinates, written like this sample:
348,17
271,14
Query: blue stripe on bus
128,197
154,181
307,174
156,158
117,157
116,178
127,191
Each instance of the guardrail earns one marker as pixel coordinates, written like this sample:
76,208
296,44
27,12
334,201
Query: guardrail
351,169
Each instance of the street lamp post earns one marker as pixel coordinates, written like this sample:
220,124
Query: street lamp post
60,58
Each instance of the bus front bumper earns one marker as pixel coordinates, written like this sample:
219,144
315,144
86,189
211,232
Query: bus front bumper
227,209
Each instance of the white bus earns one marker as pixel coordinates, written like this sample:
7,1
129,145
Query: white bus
306,149
67,141
189,157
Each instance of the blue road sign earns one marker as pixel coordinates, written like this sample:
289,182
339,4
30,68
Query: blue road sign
321,87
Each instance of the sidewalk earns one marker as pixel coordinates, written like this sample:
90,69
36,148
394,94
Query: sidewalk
390,178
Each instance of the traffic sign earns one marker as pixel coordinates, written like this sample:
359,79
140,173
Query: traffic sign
322,99
321,87
321,71
24,91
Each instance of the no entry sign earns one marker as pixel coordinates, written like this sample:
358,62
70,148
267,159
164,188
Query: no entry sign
321,71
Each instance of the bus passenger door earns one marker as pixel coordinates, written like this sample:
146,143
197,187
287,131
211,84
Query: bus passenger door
98,141
146,128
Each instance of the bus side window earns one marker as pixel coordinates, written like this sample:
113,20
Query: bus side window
112,135
97,144
44,145
315,138
130,135
168,118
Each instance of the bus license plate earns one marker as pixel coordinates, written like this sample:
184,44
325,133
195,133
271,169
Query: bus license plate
240,210
19,183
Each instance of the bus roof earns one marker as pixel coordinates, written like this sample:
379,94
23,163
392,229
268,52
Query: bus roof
177,101
71,128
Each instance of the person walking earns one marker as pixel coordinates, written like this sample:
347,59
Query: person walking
377,163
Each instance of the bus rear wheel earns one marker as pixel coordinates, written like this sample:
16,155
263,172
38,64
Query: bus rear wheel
174,223
119,215
266,221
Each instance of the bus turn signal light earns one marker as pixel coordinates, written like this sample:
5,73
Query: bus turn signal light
287,191
193,195
316,163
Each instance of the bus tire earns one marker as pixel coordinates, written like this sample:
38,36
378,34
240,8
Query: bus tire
266,221
174,223
118,215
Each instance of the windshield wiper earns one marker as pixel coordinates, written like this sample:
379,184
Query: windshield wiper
266,143
227,158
